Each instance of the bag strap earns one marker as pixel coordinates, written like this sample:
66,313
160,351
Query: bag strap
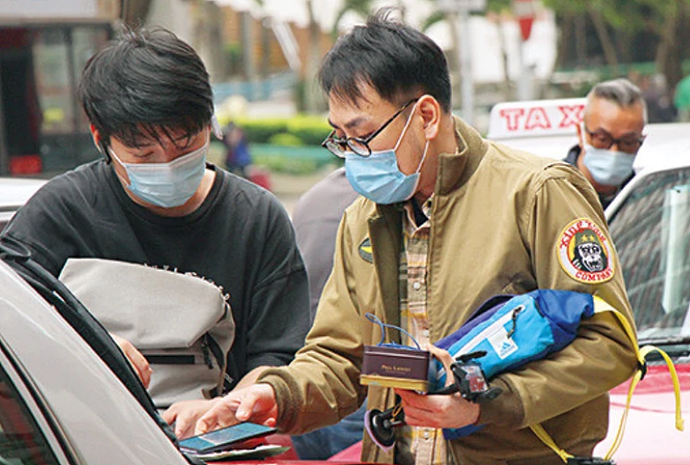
641,353
601,306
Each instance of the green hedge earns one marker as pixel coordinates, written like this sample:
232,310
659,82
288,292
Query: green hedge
291,159
310,130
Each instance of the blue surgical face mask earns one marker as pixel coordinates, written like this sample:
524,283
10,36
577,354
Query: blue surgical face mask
170,184
608,167
378,178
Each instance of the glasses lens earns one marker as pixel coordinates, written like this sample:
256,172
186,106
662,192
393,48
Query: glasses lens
629,145
601,140
335,147
359,147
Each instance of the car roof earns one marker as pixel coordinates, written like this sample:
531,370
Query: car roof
14,192
666,144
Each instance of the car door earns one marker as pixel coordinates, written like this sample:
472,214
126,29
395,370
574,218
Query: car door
26,436
79,405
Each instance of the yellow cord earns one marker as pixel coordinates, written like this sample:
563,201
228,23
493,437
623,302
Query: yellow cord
600,306
644,351
548,440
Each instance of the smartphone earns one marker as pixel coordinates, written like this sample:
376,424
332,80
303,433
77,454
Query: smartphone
225,438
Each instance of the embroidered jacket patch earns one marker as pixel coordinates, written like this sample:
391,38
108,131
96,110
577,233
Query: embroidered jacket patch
584,252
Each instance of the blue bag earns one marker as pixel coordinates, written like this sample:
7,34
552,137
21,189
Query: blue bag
513,331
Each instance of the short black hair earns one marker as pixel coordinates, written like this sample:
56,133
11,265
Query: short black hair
396,60
145,84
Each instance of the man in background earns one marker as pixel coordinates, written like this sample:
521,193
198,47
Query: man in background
610,136
316,219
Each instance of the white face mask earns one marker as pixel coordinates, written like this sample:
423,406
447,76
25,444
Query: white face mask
170,184
608,167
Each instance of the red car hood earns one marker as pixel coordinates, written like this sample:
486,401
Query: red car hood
650,435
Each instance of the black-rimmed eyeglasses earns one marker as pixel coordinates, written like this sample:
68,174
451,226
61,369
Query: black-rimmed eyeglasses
339,147
601,139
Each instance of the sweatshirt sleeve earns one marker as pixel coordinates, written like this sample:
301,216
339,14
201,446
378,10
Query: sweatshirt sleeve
278,317
571,250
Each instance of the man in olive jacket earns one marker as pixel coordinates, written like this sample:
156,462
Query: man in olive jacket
447,220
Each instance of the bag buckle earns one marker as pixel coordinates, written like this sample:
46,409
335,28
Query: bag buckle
589,461
470,381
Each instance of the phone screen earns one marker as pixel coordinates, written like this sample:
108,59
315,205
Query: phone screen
224,437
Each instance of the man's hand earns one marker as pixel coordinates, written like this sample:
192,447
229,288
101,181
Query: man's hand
438,411
255,403
136,359
186,413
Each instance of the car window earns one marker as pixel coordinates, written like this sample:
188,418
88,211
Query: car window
651,231
21,441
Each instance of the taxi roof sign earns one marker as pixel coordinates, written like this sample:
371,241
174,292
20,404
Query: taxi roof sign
536,118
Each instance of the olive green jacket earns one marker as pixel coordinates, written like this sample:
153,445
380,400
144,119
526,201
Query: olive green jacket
500,220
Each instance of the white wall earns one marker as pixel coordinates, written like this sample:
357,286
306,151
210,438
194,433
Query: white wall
174,15
540,50
50,9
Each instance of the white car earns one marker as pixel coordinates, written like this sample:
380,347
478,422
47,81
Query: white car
14,192
650,225
60,403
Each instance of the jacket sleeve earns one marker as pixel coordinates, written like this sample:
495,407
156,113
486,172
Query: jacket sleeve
322,384
565,210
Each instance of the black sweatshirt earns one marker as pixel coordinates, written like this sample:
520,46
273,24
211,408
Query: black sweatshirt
241,238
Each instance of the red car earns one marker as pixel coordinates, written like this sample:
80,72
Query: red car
650,225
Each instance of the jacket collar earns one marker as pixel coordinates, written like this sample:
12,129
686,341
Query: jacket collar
455,169
385,231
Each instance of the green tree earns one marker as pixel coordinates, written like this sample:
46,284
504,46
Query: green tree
664,20
361,7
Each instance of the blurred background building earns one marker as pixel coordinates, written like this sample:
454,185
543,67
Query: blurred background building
263,55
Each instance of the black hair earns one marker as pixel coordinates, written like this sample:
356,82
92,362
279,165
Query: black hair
397,61
146,84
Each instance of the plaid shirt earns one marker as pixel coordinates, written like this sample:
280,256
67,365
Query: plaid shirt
418,446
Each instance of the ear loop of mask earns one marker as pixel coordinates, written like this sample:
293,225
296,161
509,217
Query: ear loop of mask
421,162
215,127
103,148
426,147
407,124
